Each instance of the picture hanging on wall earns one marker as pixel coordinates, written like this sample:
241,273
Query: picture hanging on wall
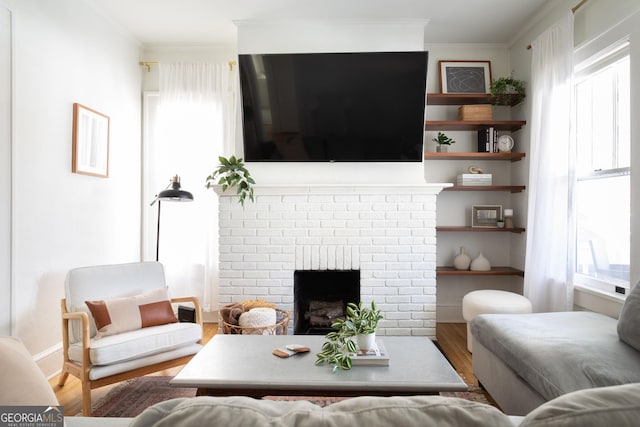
465,76
90,150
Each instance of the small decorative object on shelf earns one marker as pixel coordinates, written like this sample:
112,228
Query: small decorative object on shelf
507,91
443,141
462,261
339,347
480,263
500,223
505,143
508,218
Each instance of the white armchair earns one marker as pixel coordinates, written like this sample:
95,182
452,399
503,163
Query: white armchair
104,355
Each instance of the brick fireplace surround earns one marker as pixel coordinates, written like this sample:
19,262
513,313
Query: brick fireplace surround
385,231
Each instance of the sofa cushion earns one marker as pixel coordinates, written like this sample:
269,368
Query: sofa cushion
124,314
557,353
140,342
365,411
23,383
604,406
629,320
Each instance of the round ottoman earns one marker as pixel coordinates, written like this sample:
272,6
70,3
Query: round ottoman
491,301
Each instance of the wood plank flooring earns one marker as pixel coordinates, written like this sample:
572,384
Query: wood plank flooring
452,338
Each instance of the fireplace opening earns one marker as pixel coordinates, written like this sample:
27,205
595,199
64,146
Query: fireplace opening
320,298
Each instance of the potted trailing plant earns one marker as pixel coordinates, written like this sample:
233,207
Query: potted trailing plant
507,91
233,173
443,141
359,321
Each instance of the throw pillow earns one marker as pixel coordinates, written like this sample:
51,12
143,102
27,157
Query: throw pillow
129,313
593,407
629,320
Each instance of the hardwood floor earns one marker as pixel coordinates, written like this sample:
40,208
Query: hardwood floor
452,338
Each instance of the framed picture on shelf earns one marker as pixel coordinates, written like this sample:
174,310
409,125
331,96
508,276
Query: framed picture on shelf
465,76
485,215
90,150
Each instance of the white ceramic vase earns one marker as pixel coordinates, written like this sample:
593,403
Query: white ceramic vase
480,263
366,341
462,260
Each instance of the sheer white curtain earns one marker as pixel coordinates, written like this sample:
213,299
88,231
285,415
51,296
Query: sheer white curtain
547,280
191,123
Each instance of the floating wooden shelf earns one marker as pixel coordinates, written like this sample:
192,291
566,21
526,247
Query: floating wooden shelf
479,229
511,188
514,157
495,271
460,99
510,125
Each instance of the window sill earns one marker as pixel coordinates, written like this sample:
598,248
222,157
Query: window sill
609,296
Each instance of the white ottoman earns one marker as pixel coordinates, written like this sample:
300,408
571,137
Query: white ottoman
491,301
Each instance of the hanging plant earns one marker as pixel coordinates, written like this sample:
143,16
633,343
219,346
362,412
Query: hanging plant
233,173
507,91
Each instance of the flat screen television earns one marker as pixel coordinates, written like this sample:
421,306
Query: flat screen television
334,107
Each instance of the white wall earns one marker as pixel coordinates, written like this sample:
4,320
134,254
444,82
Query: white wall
5,170
66,52
593,21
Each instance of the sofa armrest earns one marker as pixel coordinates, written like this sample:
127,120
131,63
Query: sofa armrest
196,303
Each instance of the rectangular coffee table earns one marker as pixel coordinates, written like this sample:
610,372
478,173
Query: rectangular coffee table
243,365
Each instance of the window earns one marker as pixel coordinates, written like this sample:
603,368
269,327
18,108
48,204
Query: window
601,191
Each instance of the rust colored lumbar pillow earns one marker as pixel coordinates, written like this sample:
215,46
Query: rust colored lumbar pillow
129,313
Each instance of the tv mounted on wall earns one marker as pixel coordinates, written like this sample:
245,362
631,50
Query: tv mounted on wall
342,107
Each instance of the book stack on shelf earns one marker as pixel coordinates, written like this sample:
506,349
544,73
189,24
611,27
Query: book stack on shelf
477,179
488,140
376,356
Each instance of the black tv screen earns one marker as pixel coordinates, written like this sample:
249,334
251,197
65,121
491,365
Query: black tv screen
349,107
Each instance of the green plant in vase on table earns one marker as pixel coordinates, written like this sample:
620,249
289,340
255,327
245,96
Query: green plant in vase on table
359,321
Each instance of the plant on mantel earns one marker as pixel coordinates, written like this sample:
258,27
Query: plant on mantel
233,173
340,345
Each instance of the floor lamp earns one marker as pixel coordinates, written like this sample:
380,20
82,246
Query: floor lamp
173,194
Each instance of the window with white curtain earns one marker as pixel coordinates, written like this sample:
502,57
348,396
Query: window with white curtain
601,192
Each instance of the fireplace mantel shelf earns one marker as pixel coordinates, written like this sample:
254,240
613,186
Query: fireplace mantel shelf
280,189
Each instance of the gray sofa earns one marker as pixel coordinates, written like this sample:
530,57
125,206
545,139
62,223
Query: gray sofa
24,384
525,360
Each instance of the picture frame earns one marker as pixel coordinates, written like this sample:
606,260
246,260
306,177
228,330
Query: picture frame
464,77
90,148
485,216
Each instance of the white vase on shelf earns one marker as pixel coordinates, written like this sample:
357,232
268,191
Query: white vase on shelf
462,260
480,263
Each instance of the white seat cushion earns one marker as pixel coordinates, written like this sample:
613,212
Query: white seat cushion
138,343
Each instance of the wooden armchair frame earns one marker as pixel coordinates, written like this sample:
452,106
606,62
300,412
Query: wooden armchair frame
82,370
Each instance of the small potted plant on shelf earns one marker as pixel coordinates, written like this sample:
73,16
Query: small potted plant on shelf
507,91
359,322
233,173
442,141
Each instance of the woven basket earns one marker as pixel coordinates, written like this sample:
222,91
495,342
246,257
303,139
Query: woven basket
280,328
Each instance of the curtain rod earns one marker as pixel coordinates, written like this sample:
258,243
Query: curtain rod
148,64
574,9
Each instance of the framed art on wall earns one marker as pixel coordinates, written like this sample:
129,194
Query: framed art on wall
465,76
90,151
485,215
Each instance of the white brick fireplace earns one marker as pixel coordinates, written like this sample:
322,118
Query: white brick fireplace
385,231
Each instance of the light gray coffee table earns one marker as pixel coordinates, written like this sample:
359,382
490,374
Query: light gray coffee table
243,365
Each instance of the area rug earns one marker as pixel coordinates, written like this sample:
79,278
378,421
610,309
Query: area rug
130,398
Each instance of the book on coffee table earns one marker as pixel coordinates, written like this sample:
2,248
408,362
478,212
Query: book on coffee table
376,356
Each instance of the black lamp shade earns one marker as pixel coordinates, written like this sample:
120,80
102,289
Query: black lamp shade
175,195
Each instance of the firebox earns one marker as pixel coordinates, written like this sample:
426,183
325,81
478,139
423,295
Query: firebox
320,298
